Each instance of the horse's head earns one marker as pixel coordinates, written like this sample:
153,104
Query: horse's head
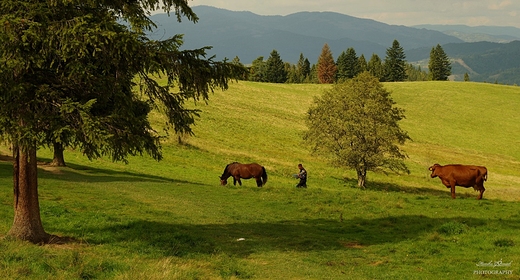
223,182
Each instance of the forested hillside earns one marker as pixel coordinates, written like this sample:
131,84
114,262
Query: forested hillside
483,61
249,36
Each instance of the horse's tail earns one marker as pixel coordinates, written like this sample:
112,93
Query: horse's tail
264,176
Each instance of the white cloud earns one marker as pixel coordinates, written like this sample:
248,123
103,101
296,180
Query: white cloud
500,5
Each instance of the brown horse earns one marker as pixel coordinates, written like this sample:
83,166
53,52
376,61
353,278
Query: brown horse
244,171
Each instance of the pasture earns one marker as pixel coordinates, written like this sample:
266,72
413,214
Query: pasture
173,220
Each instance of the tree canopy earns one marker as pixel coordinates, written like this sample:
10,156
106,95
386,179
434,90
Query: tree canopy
355,125
68,74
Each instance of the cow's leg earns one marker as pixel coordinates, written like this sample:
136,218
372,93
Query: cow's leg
481,190
452,190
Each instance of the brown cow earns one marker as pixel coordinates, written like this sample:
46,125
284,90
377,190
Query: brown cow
466,176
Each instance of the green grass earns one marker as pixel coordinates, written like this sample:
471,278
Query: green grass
172,219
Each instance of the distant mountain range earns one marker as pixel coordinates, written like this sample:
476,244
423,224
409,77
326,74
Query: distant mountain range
249,36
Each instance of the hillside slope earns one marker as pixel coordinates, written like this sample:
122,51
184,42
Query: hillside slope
173,220
449,122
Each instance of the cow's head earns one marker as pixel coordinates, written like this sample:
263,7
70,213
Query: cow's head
432,169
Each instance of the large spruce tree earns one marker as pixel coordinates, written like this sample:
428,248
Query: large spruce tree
68,71
439,64
348,65
376,68
275,68
395,63
303,68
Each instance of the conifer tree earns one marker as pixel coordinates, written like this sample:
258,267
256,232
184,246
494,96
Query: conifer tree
347,65
395,63
275,68
68,73
258,70
326,68
362,62
439,64
376,68
303,68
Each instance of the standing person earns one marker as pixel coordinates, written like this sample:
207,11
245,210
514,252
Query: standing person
303,177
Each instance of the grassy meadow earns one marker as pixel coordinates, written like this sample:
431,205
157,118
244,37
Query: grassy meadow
173,220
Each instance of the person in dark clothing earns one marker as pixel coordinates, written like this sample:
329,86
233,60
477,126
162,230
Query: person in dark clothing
303,177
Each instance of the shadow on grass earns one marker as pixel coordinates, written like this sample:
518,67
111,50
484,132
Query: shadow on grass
83,173
389,187
243,239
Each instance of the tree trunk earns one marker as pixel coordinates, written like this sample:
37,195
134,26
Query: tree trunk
362,177
58,159
27,223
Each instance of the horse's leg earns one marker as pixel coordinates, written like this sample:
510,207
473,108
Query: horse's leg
239,182
234,181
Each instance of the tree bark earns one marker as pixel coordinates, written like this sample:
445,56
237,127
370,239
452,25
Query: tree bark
58,159
27,223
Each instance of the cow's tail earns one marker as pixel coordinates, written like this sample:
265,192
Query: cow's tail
264,176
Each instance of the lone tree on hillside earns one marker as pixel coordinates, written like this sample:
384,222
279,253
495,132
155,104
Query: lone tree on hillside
439,64
355,124
326,66
70,68
395,63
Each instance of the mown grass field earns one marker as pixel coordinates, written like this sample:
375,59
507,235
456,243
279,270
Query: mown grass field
172,219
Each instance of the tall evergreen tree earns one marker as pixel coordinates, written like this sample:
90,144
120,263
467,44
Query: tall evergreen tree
258,70
275,69
376,68
71,68
307,71
362,62
347,64
395,63
439,64
303,68
293,77
326,68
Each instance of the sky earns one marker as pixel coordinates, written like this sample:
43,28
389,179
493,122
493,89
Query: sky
396,12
